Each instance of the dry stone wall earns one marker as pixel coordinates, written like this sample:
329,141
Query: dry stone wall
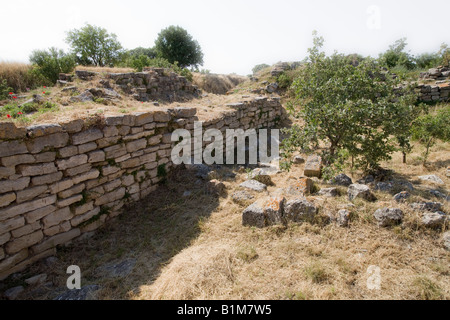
60,182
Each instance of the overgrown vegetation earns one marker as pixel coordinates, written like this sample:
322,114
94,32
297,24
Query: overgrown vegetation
94,45
351,109
48,64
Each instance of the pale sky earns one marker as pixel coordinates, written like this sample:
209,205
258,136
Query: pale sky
234,35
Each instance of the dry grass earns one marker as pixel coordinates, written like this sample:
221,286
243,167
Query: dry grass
196,248
105,69
17,75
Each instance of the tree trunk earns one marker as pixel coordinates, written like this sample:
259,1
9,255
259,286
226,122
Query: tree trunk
404,157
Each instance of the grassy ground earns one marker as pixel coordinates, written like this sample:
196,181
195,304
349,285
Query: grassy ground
196,247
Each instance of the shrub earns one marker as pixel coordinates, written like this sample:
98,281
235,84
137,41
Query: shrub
4,89
50,63
396,56
352,110
142,61
427,128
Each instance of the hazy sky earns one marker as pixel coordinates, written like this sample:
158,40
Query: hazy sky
234,35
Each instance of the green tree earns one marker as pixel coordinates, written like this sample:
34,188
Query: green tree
95,46
444,52
428,128
175,44
396,56
428,60
50,63
351,110
139,51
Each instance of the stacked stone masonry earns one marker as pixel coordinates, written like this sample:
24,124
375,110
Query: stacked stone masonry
61,181
151,84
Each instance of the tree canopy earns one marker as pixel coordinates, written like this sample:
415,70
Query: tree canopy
95,46
175,44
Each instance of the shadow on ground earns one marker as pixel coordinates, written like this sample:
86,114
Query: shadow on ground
146,235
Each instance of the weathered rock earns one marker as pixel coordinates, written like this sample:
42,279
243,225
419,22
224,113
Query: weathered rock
342,180
343,217
299,210
313,166
263,175
8,130
384,186
85,293
18,159
264,212
434,219
253,185
86,96
388,216
42,130
87,136
37,279
446,240
402,196
298,160
215,187
360,191
117,269
427,206
432,178
241,197
439,194
302,186
328,192
13,293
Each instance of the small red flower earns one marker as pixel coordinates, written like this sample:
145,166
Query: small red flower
14,97
45,87
43,92
19,112
11,93
8,116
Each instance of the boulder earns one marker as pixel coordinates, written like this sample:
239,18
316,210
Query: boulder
427,206
388,216
241,197
360,191
86,96
343,217
299,210
342,180
263,175
264,212
298,160
432,178
253,185
215,187
402,196
301,187
313,166
328,192
434,219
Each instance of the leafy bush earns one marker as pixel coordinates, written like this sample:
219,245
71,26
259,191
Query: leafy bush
4,89
259,67
396,56
428,60
142,61
350,109
427,128
48,64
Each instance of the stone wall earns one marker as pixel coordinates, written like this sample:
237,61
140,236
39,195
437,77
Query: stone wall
60,182
151,84
434,92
